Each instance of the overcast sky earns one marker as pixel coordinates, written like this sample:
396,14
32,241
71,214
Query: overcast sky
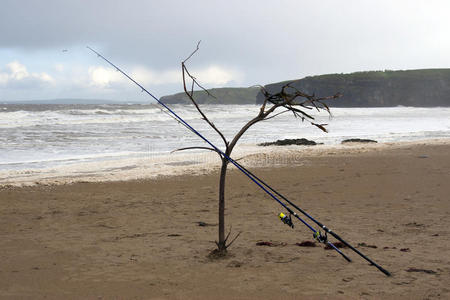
243,43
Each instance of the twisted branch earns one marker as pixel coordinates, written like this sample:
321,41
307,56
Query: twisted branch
190,93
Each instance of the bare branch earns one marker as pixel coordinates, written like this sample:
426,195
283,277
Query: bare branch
299,111
263,106
258,118
235,238
196,49
240,158
320,126
338,95
192,148
228,235
190,95
195,83
271,117
192,86
243,130
286,100
232,241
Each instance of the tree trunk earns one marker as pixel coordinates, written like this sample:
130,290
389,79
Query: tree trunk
223,171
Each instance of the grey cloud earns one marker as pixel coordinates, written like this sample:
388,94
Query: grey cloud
268,40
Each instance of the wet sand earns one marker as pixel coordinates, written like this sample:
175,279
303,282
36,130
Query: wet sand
141,239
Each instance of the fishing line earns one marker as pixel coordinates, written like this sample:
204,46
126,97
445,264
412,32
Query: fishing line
266,188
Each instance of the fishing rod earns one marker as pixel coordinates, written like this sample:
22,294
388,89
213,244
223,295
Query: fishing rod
265,187
287,220
326,229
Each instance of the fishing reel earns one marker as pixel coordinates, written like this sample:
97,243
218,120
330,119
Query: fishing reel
320,238
286,219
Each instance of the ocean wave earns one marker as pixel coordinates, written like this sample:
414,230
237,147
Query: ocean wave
41,137
97,116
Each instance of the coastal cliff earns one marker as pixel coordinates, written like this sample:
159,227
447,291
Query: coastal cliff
221,96
422,88
427,87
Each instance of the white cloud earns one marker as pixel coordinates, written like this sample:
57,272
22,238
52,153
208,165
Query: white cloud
103,77
78,80
211,75
17,76
17,70
217,75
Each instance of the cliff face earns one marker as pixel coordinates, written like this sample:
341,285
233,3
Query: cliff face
222,96
428,87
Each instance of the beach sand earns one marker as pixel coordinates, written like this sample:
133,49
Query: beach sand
141,239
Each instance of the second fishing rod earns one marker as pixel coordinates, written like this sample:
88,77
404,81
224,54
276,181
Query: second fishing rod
317,234
286,219
266,188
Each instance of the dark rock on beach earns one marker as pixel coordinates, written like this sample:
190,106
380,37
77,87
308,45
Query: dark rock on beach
366,245
358,141
421,270
285,142
204,224
306,244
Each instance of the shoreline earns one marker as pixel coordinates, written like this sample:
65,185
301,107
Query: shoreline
162,166
142,239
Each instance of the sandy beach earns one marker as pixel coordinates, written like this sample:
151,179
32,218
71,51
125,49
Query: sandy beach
141,239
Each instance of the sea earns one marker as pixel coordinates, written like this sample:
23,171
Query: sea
50,140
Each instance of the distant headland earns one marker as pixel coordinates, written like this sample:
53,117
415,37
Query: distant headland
221,96
421,88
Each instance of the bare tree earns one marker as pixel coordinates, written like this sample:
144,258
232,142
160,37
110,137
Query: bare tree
288,99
